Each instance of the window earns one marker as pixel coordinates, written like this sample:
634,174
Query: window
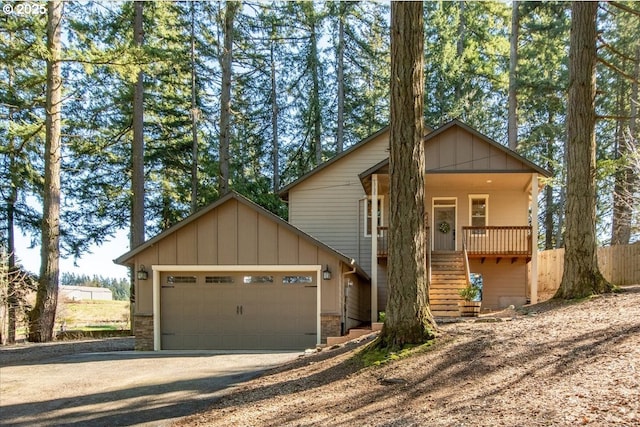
258,279
368,207
478,210
219,279
292,280
181,279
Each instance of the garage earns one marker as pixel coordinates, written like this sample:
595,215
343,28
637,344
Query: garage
234,276
241,311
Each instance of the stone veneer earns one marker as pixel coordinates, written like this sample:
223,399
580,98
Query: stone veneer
143,332
330,326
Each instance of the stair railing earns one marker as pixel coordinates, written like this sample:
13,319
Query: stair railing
465,255
428,233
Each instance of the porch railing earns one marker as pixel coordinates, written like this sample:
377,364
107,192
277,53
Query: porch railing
383,241
497,240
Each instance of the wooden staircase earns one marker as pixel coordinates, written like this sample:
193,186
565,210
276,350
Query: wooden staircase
448,276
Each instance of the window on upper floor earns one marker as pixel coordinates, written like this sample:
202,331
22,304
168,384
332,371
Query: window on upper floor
368,208
479,211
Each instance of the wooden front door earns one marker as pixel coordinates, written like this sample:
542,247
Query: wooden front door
444,228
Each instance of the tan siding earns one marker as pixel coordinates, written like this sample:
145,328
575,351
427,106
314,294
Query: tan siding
464,153
287,247
247,235
308,253
187,244
331,301
207,239
481,152
144,288
227,233
505,283
267,241
167,250
508,208
239,235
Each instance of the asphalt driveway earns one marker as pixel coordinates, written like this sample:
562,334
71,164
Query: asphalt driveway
123,388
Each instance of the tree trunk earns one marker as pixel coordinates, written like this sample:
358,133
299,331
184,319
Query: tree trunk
581,275
460,55
225,96
12,302
408,317
340,72
42,317
137,148
11,247
548,193
274,117
512,130
315,96
625,178
195,115
137,226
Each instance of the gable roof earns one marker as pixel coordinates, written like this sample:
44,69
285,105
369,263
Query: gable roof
125,259
507,151
383,166
284,191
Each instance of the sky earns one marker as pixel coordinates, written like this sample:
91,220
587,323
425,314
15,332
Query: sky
99,262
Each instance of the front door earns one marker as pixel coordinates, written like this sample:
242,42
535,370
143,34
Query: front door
444,228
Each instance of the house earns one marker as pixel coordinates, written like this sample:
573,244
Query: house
235,276
83,293
481,213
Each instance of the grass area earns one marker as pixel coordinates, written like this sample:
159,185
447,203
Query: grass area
372,355
93,315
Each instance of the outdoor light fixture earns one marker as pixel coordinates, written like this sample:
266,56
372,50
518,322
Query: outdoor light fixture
326,273
142,273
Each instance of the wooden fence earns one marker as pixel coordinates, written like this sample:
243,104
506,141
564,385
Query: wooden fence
619,264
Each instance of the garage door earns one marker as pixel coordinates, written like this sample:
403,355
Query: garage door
238,311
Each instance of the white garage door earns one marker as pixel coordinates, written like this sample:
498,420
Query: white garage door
238,311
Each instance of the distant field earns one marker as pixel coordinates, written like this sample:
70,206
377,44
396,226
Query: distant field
92,315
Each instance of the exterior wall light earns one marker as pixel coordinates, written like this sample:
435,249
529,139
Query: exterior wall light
326,273
142,274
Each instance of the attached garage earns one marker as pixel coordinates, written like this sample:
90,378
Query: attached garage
248,310
236,277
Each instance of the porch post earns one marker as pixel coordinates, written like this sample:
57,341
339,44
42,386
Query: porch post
534,238
374,248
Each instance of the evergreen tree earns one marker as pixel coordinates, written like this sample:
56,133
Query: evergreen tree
581,276
42,317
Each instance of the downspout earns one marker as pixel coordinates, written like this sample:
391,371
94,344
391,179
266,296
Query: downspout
345,308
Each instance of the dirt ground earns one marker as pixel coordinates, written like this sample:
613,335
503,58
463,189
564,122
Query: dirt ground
553,364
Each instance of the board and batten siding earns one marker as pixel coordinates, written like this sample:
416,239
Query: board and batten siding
457,149
235,234
328,205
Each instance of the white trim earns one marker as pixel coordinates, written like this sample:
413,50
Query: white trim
157,269
157,336
454,205
486,208
374,247
534,238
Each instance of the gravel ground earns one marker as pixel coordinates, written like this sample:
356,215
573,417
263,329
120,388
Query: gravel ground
90,383
553,364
